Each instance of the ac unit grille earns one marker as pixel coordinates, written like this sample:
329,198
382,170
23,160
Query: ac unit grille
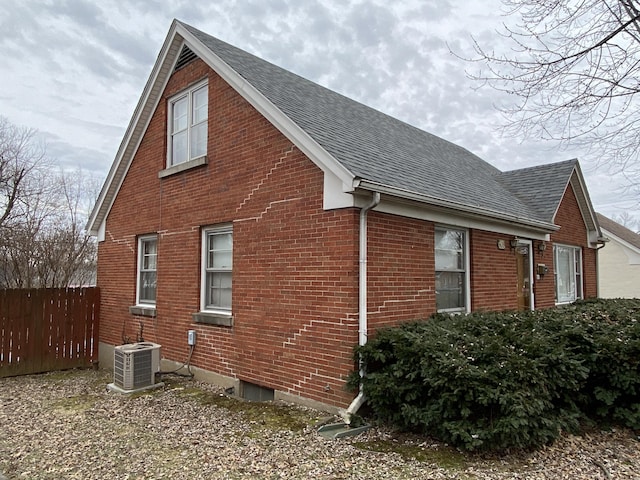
135,365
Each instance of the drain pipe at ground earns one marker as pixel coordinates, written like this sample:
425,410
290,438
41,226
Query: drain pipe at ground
362,303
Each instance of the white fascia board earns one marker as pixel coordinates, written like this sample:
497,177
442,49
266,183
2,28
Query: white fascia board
439,210
458,219
262,104
335,193
623,243
138,125
584,204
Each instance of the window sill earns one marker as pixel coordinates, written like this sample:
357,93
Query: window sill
181,167
143,311
208,318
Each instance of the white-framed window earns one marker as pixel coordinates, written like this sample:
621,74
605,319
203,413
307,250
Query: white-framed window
147,270
217,268
452,279
568,273
187,122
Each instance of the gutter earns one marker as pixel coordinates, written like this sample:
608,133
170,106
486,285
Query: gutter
362,303
539,225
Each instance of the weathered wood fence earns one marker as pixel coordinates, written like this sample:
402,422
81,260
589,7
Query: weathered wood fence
48,329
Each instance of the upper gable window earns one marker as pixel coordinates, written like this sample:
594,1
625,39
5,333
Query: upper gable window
188,112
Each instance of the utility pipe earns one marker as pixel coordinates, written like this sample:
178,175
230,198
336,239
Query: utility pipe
362,301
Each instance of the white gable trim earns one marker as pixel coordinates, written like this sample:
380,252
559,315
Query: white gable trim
177,37
138,125
577,182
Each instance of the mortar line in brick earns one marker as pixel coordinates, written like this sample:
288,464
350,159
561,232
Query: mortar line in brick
264,212
413,298
292,340
266,177
123,241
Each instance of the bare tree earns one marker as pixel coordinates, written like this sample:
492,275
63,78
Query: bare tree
20,156
42,238
574,68
72,252
626,220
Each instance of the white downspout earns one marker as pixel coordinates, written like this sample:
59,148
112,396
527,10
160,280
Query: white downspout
362,302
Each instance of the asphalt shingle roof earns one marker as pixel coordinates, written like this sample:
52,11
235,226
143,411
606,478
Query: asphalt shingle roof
378,148
619,231
541,187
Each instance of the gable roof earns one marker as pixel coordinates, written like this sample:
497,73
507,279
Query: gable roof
364,148
543,187
619,231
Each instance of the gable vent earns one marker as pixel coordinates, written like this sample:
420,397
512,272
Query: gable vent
186,56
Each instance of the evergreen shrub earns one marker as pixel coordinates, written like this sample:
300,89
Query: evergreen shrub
499,380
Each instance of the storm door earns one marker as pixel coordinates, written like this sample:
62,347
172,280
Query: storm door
524,275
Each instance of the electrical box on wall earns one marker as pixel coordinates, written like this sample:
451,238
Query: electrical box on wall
542,269
191,337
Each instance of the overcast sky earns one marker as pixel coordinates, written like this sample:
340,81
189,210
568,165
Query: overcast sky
75,69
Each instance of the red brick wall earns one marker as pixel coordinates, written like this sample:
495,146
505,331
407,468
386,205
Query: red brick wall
401,276
573,232
295,278
493,272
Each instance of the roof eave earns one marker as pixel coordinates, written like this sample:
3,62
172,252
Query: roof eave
137,126
533,224
610,235
576,179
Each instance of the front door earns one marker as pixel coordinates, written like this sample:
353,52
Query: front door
523,268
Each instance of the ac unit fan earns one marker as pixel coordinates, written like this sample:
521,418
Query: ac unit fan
135,365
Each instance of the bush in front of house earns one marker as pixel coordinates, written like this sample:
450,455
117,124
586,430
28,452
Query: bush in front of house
610,346
492,381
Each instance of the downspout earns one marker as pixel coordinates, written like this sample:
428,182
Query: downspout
362,302
603,244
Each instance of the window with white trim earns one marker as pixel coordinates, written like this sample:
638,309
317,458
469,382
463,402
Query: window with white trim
451,270
188,112
147,270
568,273
217,267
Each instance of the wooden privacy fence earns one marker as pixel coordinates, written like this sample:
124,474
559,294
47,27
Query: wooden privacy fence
48,329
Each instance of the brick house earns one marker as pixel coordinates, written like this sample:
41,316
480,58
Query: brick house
284,223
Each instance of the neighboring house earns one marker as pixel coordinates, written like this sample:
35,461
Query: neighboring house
619,261
285,223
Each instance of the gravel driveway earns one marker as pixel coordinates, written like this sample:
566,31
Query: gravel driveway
68,426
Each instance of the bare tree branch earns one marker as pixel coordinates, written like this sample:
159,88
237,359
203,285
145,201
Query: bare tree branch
573,70
42,214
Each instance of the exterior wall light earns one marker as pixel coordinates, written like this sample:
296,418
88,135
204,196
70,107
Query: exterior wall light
542,246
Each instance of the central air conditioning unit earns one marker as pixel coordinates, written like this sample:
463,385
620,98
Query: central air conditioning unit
135,365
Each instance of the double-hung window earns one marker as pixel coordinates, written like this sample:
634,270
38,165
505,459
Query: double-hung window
147,270
568,273
451,270
217,266
188,112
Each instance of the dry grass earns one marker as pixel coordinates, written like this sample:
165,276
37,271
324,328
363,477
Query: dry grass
68,426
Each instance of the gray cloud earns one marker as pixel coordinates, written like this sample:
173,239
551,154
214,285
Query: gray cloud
75,69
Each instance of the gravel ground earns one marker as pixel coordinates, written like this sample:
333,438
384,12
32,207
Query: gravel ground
66,425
